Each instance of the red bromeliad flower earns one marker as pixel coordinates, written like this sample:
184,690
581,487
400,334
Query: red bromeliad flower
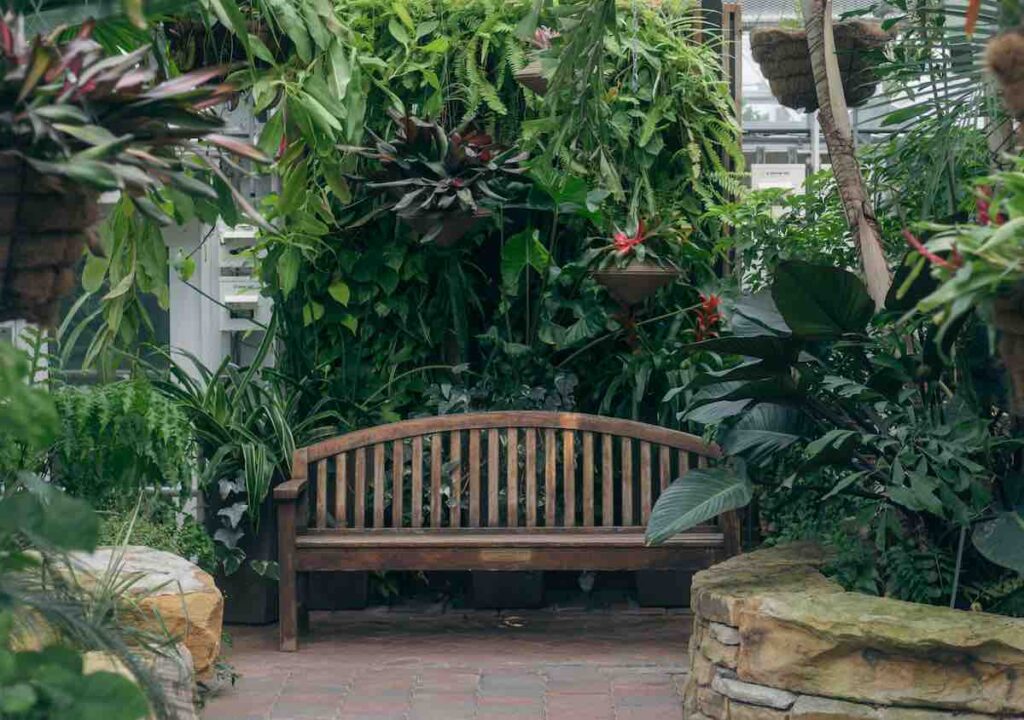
984,205
708,317
624,243
956,259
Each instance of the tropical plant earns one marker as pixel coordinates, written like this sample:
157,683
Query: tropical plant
433,174
247,424
637,243
831,400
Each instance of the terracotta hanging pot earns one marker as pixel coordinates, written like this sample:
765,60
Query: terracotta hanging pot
785,62
532,78
1008,319
636,282
454,225
44,225
1005,57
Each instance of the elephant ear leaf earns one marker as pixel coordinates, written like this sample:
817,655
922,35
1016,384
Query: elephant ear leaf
819,302
696,498
1000,540
763,431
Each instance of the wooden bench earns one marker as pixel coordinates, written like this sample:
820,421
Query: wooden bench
500,491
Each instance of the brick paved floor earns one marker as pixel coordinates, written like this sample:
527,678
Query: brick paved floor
539,665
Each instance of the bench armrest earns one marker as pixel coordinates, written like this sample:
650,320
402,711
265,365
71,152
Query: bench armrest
291,490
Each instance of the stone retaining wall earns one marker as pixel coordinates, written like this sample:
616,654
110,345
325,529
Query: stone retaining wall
773,639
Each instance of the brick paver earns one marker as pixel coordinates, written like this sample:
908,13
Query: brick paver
462,666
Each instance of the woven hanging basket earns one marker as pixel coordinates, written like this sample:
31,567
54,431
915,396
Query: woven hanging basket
43,228
785,62
1008,319
532,78
1005,56
636,282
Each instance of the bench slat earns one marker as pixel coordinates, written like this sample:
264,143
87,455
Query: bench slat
531,477
627,481
360,492
341,489
684,464
455,452
645,481
607,489
664,467
550,465
605,537
588,479
417,481
474,478
569,477
493,477
321,494
397,482
436,449
512,475
378,485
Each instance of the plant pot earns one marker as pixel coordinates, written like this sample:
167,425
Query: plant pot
1005,57
785,62
500,590
249,598
663,588
453,224
1008,318
531,78
635,283
44,224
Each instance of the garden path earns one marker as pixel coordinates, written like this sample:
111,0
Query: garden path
463,665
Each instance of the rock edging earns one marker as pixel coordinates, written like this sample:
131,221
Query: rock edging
773,639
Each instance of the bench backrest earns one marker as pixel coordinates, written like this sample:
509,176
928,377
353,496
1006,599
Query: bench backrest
496,469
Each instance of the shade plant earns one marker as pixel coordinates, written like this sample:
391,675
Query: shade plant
829,401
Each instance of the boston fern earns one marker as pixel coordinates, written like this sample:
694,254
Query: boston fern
828,395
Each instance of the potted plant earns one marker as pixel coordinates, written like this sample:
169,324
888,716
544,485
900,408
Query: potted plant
629,267
782,54
1005,56
979,267
534,76
78,122
440,183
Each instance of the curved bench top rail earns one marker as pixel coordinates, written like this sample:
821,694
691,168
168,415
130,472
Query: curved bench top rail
507,419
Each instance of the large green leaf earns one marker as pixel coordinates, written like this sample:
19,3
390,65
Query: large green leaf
756,315
764,430
695,498
519,252
1002,540
821,302
778,350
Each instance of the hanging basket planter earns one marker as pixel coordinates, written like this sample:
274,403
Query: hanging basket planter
636,282
532,78
444,229
785,62
43,228
1008,318
1005,57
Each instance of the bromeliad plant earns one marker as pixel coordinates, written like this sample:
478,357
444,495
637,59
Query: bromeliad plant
434,177
831,401
77,121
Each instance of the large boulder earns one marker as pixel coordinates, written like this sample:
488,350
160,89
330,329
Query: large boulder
870,649
171,669
168,592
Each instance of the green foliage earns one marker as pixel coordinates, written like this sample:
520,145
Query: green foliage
696,498
118,440
832,406
158,528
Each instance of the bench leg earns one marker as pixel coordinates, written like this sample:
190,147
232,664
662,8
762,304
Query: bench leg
289,622
288,577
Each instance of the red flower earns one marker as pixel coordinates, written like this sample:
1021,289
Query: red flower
930,256
984,205
708,317
624,243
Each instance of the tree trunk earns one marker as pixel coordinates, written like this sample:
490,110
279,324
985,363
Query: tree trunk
835,126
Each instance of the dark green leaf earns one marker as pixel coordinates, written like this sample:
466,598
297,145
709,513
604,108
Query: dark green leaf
695,498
